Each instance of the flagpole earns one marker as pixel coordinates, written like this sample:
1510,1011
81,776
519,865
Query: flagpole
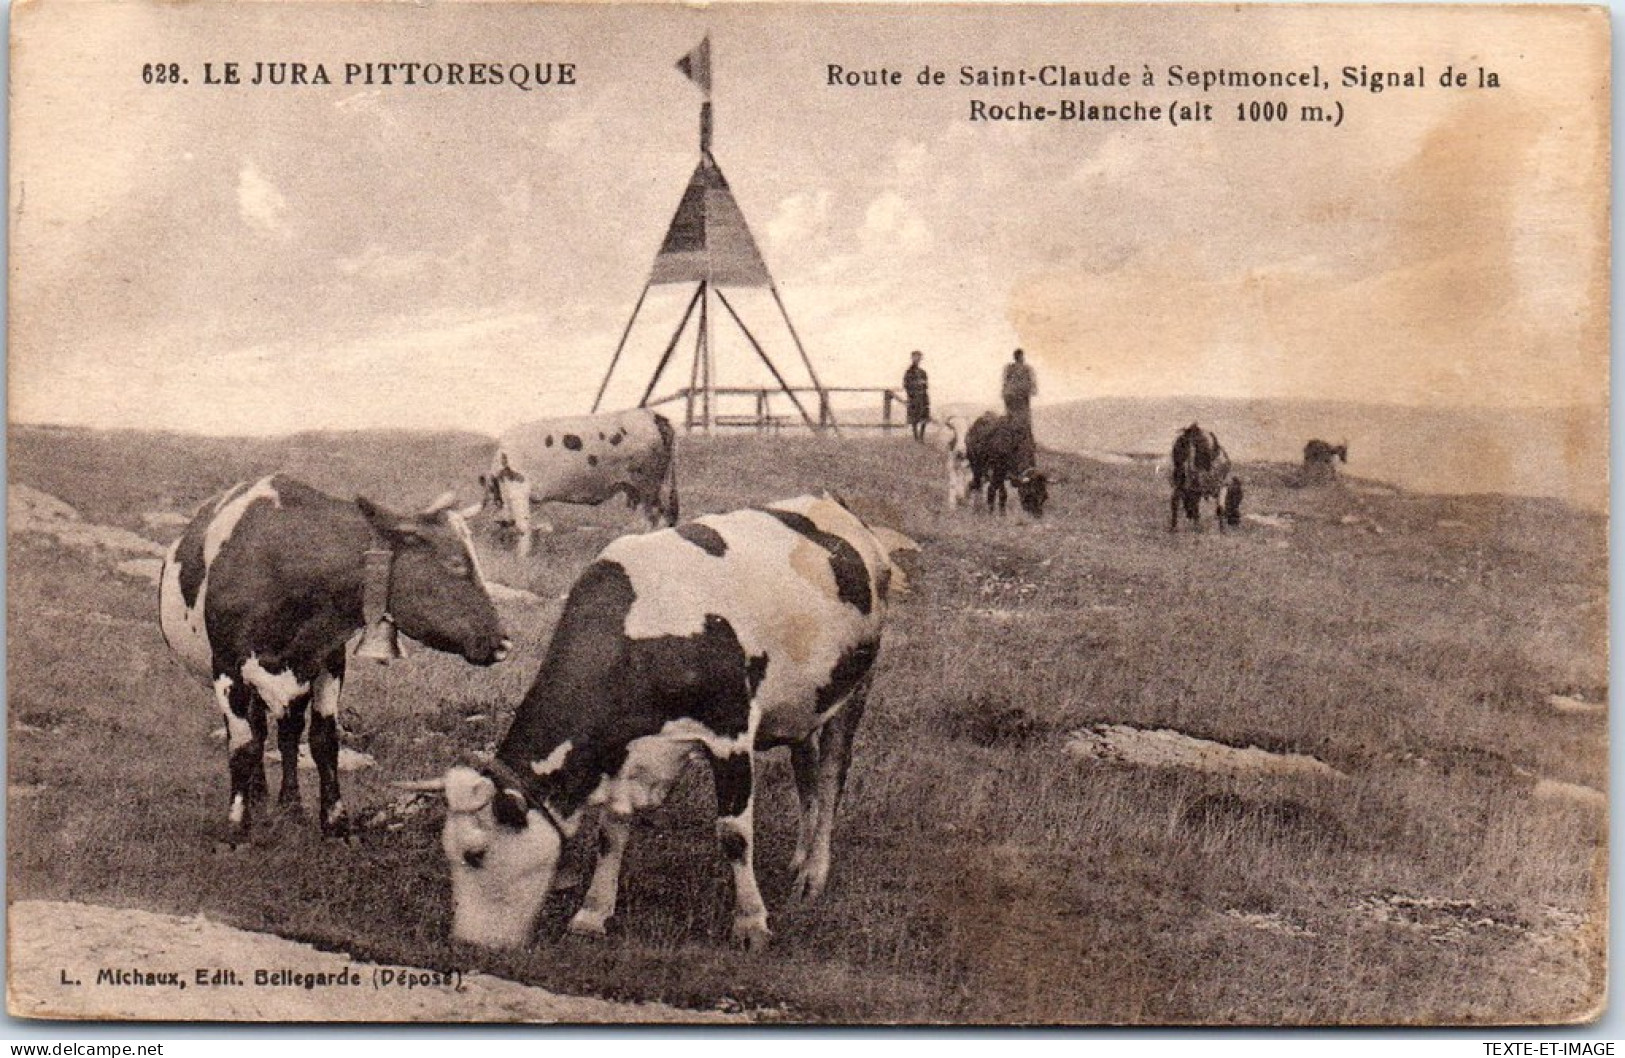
621,345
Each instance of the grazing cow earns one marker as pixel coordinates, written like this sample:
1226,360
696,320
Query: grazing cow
727,636
1201,470
584,460
1318,455
1000,448
959,476
266,586
1318,451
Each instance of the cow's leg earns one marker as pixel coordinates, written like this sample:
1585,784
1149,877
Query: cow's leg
835,753
289,729
804,761
324,743
735,778
244,713
1193,508
599,905
671,509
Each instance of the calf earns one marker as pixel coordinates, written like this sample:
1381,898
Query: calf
1200,469
267,585
584,460
1000,448
725,637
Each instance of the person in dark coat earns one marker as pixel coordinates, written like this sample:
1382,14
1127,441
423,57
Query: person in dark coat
919,396
1020,386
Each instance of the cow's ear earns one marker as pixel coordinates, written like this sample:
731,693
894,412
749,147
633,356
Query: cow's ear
893,541
389,525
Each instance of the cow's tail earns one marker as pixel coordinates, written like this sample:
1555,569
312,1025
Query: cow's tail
669,506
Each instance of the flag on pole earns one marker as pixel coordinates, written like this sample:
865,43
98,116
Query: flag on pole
696,65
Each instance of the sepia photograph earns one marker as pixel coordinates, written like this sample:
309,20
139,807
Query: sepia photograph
807,514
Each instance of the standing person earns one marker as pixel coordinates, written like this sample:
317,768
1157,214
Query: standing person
919,397
1020,386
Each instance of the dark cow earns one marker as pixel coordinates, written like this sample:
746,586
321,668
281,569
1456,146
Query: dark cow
1317,460
1200,469
1000,448
584,460
727,636
267,585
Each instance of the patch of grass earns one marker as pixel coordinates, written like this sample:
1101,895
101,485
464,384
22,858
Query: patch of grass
982,873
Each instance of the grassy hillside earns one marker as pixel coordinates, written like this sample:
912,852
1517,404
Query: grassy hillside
1451,868
1561,452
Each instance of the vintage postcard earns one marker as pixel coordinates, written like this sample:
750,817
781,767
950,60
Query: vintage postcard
797,513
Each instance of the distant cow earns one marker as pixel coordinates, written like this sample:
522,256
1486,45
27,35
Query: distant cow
1317,459
1318,451
584,460
959,475
1200,469
1000,449
726,637
266,586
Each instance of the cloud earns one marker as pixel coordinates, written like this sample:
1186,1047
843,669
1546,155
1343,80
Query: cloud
801,218
911,162
379,265
259,203
893,224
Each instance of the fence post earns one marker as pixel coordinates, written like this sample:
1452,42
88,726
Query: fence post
885,416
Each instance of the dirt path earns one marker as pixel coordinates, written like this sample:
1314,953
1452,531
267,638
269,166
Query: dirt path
133,952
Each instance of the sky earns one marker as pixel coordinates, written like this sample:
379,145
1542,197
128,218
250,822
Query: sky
251,260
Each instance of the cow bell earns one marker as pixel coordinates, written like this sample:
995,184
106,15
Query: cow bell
381,642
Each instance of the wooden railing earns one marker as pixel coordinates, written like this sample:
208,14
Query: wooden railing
772,408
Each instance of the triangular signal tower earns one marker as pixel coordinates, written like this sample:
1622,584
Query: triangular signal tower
709,245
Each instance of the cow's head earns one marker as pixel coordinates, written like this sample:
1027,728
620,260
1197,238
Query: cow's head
1032,487
503,853
436,593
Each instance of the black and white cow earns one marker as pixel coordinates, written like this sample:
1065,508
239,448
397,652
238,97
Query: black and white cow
1000,448
1200,469
584,460
725,637
265,588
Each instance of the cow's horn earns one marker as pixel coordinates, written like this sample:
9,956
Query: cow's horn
421,785
470,511
446,501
